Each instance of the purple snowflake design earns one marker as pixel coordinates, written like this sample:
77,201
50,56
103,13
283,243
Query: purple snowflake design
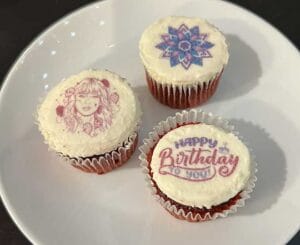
185,46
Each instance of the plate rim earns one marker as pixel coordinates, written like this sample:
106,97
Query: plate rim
26,50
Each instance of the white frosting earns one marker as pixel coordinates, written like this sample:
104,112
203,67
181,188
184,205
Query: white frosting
201,191
109,132
159,67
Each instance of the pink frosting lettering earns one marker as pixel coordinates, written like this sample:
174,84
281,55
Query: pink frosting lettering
200,163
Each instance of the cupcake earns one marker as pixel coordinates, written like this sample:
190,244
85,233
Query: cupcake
184,59
91,120
197,167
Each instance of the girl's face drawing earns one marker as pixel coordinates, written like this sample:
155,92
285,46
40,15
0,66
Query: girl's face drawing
88,106
87,103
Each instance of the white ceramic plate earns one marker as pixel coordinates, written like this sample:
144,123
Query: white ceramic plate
53,203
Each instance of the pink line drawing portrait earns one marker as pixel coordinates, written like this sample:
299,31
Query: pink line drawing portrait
88,107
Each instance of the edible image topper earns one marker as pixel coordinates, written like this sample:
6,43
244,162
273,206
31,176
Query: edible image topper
185,46
88,107
197,159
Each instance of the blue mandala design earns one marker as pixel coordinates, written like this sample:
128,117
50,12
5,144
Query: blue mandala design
185,46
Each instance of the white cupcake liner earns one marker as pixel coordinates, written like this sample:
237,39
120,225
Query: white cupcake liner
104,163
181,118
183,96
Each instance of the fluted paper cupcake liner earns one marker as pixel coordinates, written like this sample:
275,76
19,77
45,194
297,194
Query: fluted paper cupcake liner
187,117
183,96
104,163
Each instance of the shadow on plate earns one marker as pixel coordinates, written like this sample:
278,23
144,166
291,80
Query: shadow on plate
271,165
242,73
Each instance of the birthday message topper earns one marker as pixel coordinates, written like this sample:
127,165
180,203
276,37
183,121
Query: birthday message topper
197,159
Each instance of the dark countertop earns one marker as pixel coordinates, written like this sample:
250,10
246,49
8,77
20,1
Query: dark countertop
21,21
